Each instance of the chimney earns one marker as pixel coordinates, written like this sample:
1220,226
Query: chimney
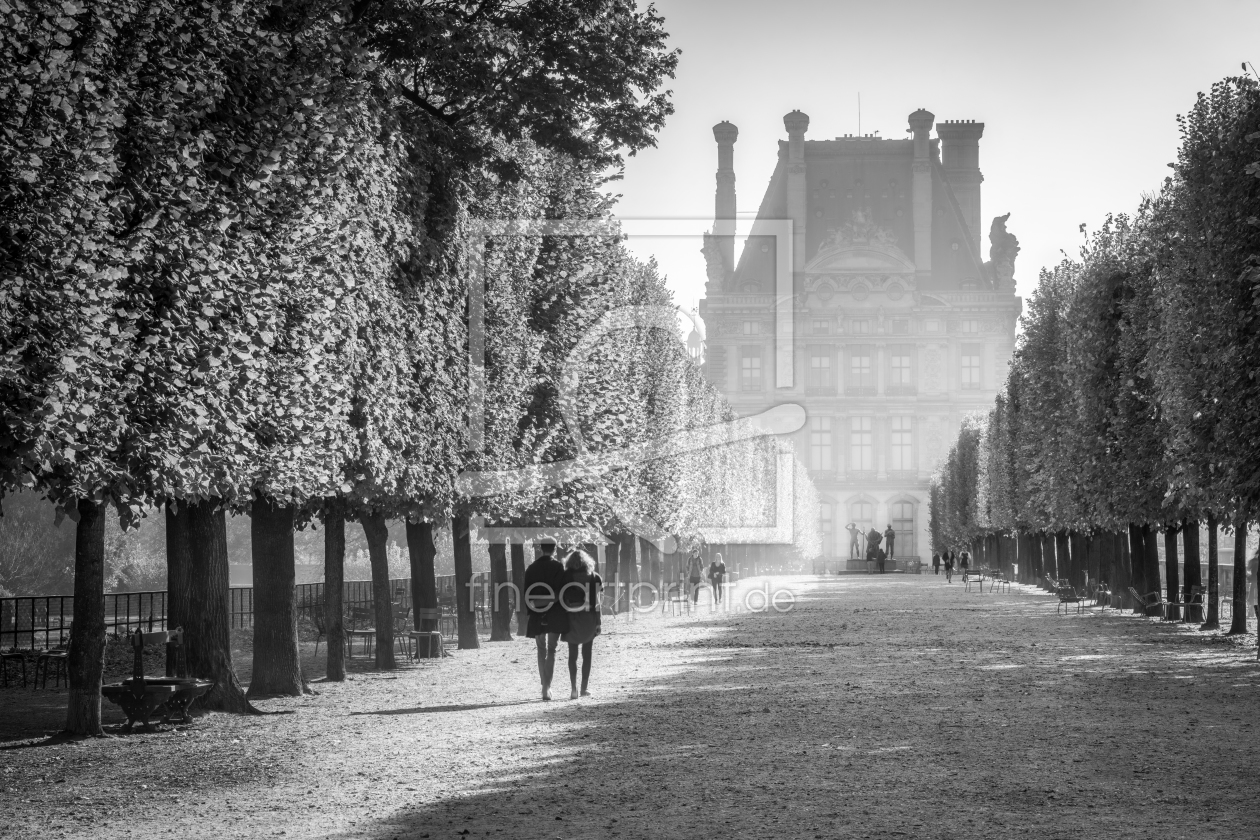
921,193
960,158
797,124
724,200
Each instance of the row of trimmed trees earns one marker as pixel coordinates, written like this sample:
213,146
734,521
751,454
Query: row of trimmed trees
236,243
1132,402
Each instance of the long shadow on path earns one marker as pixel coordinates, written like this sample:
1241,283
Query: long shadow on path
891,708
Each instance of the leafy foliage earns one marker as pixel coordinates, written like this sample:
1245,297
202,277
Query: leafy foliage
1132,398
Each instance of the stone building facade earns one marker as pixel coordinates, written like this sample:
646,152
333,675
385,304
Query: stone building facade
874,309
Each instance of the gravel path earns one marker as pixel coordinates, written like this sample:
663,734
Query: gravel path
892,706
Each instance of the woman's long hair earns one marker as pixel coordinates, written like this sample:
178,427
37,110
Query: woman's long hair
580,561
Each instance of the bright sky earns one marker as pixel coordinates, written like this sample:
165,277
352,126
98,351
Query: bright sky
1079,101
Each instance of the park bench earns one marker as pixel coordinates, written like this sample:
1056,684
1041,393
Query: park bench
12,657
359,624
1067,596
676,598
56,659
142,697
1195,602
1151,599
432,638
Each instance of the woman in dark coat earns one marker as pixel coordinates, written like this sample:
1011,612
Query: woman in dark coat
580,596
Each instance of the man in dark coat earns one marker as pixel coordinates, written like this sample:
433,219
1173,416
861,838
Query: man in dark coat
547,617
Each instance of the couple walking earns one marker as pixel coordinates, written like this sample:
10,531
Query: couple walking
563,604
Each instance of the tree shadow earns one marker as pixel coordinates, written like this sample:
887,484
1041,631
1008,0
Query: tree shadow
774,738
429,710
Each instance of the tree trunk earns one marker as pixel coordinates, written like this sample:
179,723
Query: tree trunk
1063,556
1137,563
277,661
629,566
334,591
1104,545
207,631
1124,551
1170,570
612,572
1078,562
1109,562
1049,560
377,533
465,611
1239,607
178,561
1213,621
518,580
500,594
85,663
1194,572
422,552
1150,542
646,593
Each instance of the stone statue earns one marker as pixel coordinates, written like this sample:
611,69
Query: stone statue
1003,249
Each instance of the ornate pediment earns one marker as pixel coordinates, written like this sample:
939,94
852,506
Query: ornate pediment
859,247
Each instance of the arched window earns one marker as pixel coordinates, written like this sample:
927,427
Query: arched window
903,525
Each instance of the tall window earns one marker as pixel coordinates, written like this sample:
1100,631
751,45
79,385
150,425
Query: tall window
860,326
820,443
822,327
750,369
861,445
828,528
900,326
752,328
819,367
900,365
862,514
971,366
970,325
860,374
903,526
902,444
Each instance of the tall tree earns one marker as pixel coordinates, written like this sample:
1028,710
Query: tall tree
277,667
86,661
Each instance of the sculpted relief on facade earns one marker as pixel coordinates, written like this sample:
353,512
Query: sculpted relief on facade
932,371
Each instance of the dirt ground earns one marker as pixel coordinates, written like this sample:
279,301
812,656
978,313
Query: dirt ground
891,706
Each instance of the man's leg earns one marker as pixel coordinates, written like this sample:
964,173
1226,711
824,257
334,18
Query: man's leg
541,641
553,639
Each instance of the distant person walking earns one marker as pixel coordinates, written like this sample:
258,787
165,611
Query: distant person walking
547,619
890,536
964,563
949,567
880,557
695,574
580,596
855,545
717,577
936,562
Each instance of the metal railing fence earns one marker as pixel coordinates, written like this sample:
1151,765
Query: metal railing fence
43,621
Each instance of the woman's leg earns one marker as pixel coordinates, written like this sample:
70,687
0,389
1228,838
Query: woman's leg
573,655
587,649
